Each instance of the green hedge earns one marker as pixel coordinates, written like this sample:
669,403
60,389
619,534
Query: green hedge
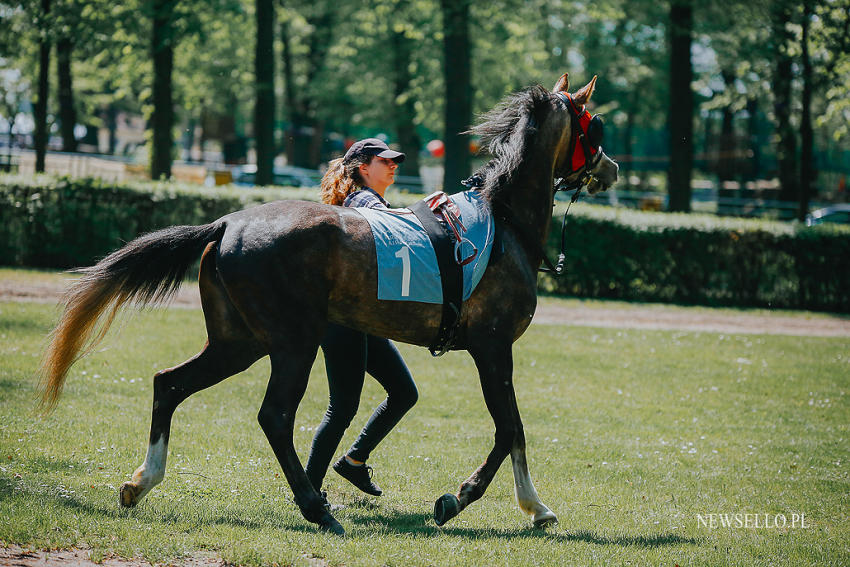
702,259
612,253
60,222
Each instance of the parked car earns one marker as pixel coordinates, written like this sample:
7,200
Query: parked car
834,213
288,176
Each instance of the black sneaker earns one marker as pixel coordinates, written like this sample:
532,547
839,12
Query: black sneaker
358,475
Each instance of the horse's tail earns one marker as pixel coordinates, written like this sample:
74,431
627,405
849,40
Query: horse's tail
149,269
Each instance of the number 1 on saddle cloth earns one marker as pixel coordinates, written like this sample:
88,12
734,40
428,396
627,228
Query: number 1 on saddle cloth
407,264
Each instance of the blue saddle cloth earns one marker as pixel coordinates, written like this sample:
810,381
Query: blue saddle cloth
407,264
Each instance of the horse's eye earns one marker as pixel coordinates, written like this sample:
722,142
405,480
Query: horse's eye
594,132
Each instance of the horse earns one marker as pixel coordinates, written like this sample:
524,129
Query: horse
272,276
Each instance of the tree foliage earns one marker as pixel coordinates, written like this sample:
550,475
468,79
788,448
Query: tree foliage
348,70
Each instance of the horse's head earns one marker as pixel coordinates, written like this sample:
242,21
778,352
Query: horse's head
581,160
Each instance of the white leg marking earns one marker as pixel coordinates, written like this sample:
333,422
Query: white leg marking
526,494
152,470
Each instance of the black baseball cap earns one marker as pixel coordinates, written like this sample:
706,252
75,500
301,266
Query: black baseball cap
372,147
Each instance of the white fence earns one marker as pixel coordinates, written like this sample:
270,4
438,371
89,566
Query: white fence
75,165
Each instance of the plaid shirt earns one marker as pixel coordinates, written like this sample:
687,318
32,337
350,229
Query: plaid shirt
365,197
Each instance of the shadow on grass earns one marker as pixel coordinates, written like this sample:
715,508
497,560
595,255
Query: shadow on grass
649,540
421,524
151,514
372,518
25,326
9,386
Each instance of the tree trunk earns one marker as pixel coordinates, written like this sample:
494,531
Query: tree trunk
787,146
303,148
317,139
405,109
264,113
189,140
162,120
681,106
67,112
458,115
807,170
294,113
111,118
753,169
40,106
627,166
726,160
7,166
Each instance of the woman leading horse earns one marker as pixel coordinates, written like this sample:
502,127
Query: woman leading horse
359,179
273,276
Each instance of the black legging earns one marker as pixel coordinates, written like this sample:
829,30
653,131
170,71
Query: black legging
348,356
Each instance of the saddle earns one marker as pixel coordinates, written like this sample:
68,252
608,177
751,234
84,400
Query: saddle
439,217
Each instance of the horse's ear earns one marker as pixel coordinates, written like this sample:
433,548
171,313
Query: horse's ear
563,84
584,94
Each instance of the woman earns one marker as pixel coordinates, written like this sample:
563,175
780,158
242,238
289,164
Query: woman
359,179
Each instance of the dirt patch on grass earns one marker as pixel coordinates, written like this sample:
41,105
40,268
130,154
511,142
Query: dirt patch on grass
17,556
655,317
46,291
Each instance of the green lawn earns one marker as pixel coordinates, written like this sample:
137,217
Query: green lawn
632,437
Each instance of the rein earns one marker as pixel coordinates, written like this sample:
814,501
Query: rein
558,268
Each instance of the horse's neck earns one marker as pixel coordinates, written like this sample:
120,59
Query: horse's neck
531,198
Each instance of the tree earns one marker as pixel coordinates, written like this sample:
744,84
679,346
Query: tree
308,35
69,28
786,147
211,78
40,106
67,113
403,46
681,106
264,108
162,119
458,113
806,134
831,55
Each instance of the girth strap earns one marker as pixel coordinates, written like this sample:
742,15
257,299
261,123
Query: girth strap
451,277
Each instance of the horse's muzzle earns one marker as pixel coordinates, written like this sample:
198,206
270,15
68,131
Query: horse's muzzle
604,175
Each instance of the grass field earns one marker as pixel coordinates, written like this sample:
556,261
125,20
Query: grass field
633,437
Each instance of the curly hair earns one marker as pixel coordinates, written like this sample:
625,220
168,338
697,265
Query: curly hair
341,179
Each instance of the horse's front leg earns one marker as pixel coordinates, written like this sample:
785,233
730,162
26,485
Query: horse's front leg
495,369
526,494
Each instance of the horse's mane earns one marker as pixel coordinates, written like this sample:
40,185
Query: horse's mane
506,132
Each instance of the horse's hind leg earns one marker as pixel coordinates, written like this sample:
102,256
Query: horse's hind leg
230,349
212,365
495,367
290,372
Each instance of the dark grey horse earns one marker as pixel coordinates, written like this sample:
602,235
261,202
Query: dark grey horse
271,277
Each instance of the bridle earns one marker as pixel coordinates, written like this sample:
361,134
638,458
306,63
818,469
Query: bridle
585,140
585,146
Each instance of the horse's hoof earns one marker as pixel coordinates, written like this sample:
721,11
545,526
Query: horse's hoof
329,524
545,519
128,495
446,508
